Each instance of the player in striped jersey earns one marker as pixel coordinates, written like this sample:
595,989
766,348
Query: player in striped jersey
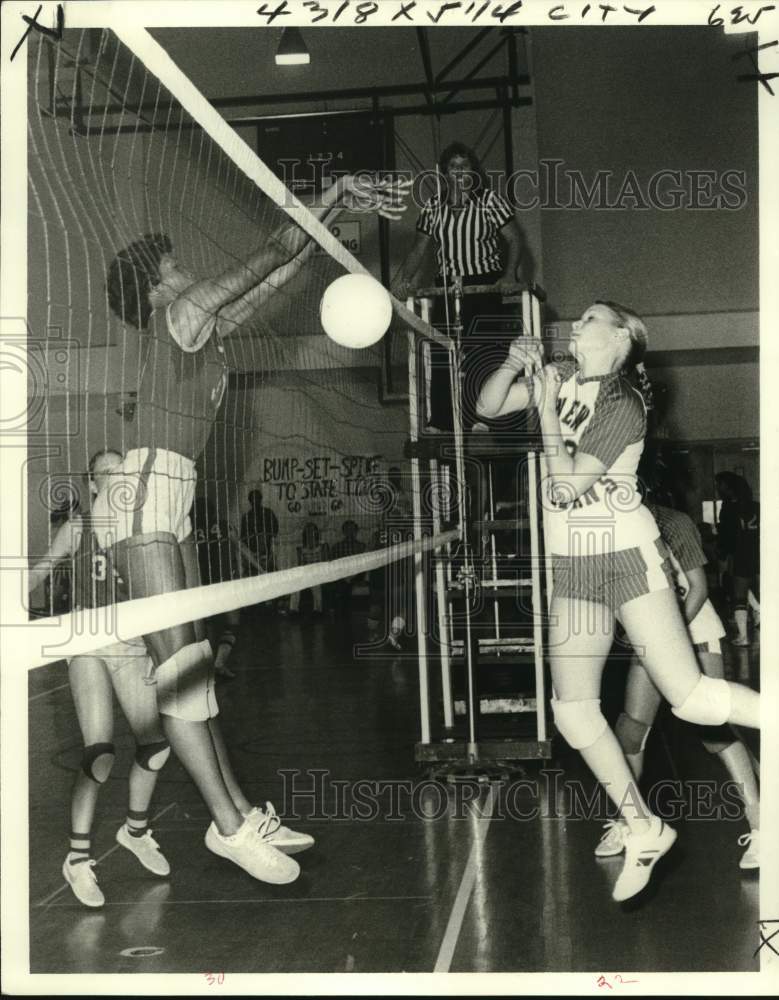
642,699
120,667
608,558
476,238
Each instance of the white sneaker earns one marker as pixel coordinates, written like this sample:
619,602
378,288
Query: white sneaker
83,881
751,857
270,828
146,849
613,840
257,857
642,852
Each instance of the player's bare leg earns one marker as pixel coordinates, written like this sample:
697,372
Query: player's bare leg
153,564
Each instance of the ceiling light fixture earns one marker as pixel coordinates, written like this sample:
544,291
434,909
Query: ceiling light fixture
292,49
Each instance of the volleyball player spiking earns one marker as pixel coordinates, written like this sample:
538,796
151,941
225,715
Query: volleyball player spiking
182,322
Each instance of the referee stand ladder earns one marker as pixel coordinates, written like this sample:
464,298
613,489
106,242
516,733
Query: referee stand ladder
485,711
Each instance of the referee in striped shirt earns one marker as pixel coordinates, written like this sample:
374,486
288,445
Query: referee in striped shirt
475,235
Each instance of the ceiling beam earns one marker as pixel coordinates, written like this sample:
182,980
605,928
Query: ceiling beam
424,49
468,81
466,50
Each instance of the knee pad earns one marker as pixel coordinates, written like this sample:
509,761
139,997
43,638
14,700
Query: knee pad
97,760
707,704
581,723
152,756
631,733
717,738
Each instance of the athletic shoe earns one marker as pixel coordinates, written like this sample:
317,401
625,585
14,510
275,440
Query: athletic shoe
257,857
146,849
642,852
270,829
751,857
83,881
613,840
739,640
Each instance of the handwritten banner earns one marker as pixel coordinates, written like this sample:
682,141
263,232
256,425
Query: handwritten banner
319,483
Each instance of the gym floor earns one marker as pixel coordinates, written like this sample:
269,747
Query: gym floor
449,877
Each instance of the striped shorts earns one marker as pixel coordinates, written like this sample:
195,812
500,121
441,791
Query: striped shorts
613,578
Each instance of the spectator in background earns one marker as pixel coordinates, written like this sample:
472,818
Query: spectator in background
340,592
310,551
466,222
392,585
738,544
259,530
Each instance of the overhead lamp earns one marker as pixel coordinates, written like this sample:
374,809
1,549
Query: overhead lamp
292,49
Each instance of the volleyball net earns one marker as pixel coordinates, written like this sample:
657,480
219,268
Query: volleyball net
131,173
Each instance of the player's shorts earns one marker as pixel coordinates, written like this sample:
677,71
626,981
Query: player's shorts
187,691
151,491
119,655
614,578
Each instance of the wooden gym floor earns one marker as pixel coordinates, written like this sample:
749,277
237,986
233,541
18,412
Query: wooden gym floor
430,883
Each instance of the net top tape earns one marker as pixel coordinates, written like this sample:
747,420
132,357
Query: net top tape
84,631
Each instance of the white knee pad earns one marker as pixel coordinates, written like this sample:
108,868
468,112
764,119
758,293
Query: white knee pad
581,723
708,704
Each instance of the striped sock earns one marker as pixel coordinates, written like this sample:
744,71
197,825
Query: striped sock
80,848
137,823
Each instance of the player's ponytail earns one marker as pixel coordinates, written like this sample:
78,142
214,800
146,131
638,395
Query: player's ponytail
644,385
633,365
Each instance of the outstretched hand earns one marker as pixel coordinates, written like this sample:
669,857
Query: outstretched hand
365,193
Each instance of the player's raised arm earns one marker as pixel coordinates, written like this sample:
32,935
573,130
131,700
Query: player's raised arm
503,392
295,246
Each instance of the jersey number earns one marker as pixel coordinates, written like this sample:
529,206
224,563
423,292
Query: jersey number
99,567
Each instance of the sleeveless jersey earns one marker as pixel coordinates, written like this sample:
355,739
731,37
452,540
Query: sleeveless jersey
96,584
179,393
602,416
682,538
